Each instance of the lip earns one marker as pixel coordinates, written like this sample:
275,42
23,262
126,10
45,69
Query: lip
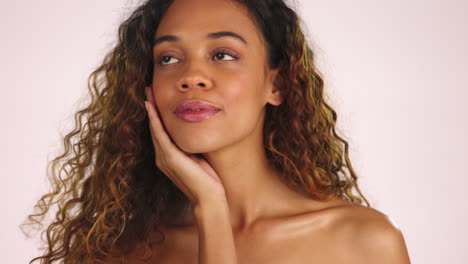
195,110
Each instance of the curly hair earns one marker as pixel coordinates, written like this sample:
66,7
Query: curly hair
106,187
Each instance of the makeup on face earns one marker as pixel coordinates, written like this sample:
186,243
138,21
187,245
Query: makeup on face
195,110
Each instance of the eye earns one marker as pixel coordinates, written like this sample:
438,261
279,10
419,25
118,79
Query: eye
224,52
164,59
219,54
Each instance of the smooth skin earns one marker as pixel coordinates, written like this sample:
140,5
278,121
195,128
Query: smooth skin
242,212
197,179
333,232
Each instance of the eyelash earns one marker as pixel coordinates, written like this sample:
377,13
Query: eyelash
216,52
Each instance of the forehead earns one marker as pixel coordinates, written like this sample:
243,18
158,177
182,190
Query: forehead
199,17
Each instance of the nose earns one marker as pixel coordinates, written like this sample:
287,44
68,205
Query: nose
194,81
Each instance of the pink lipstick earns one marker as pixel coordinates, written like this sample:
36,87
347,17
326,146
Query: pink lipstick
195,111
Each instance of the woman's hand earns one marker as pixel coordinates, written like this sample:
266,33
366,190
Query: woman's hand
193,175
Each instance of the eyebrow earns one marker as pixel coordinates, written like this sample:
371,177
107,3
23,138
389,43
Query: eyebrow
214,35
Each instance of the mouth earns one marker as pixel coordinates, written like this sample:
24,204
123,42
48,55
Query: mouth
196,115
194,106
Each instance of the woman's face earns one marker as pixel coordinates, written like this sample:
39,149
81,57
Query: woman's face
227,71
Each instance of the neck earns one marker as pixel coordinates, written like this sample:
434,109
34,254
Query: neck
252,185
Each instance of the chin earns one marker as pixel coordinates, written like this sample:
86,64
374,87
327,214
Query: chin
196,144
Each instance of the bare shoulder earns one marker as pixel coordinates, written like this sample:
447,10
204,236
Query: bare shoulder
369,236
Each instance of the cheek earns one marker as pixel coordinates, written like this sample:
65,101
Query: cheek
243,107
162,101
158,96
158,84
160,93
243,95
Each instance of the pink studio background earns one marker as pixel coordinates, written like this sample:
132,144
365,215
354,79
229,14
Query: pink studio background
396,71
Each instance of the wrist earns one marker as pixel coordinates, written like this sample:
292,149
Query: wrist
213,207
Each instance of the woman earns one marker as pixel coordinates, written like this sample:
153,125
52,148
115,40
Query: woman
208,140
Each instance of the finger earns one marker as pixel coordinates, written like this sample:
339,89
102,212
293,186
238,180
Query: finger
150,95
153,136
160,137
154,122
150,98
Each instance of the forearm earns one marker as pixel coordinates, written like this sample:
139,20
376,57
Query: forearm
216,242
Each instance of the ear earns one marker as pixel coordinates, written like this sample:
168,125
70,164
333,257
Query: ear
273,96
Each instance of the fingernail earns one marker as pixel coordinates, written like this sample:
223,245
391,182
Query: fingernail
146,105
